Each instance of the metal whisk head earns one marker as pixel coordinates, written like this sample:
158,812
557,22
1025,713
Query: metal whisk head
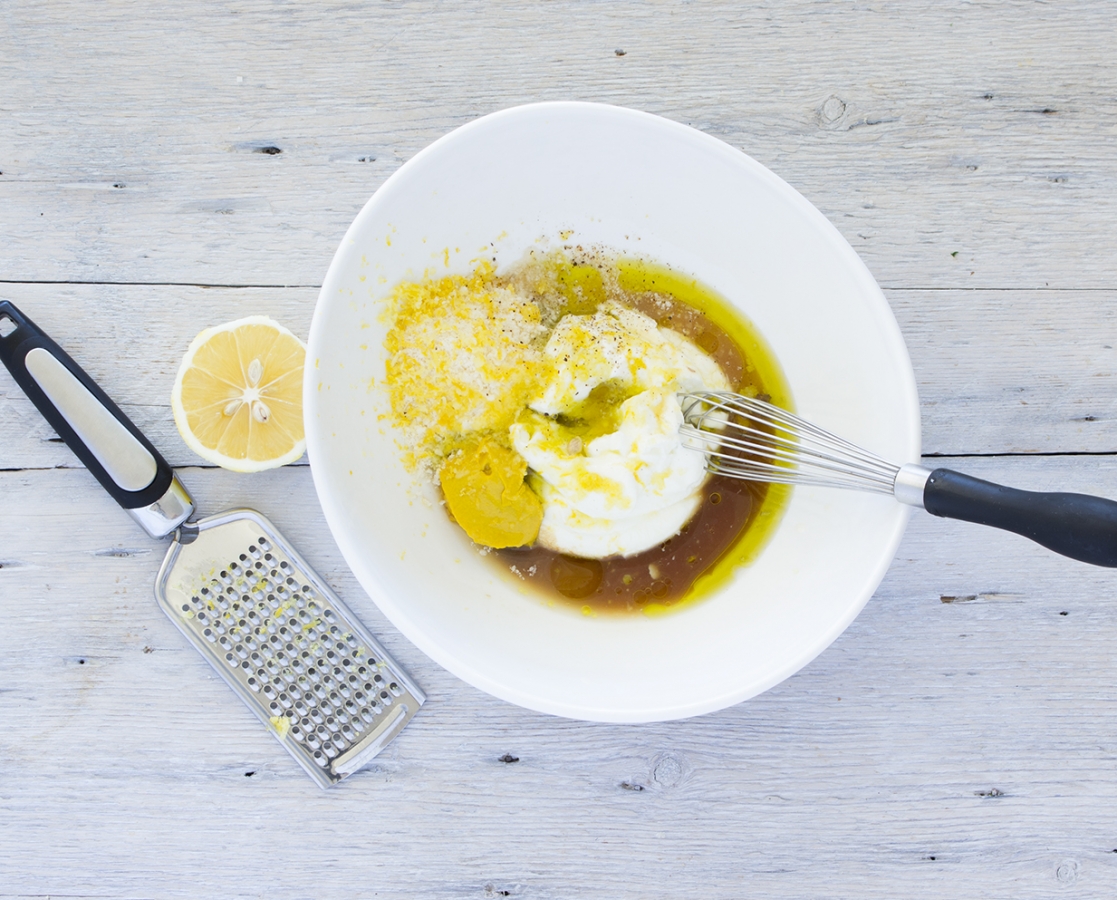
756,441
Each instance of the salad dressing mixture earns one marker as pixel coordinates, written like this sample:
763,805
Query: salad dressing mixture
544,402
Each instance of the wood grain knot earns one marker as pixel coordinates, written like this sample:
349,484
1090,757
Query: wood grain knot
986,596
667,770
1067,872
122,552
831,110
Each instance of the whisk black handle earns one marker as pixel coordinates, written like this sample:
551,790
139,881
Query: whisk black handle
1075,525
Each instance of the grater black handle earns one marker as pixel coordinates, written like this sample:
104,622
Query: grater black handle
104,439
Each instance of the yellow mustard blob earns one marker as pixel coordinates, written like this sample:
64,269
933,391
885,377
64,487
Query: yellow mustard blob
486,494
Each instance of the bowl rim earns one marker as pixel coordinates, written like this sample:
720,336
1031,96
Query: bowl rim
397,614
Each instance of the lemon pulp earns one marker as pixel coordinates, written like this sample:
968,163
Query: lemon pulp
237,400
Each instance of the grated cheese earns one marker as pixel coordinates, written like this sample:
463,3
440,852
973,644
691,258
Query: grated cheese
464,357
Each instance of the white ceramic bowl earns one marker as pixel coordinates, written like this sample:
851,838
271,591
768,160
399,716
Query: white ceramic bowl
645,185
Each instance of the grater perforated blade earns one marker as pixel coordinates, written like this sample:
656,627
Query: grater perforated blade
286,643
239,592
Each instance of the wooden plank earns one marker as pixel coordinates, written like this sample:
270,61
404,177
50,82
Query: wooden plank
954,145
1013,371
957,738
998,371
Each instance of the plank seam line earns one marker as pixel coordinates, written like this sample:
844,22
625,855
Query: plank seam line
207,284
1012,454
188,467
1046,289
302,465
197,284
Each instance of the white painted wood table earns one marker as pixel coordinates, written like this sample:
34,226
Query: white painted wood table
166,169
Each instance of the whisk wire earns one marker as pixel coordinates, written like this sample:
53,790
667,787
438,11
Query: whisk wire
747,438
750,439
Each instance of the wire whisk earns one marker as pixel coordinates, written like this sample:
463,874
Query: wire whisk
750,439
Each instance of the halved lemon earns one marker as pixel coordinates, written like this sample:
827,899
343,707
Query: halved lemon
237,399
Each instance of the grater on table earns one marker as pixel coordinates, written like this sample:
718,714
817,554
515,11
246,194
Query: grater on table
251,605
285,642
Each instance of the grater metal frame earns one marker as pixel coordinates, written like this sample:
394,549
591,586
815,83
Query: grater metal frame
399,696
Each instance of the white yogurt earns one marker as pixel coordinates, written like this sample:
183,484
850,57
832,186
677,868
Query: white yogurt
629,490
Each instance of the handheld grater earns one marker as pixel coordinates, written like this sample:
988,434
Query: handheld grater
250,604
